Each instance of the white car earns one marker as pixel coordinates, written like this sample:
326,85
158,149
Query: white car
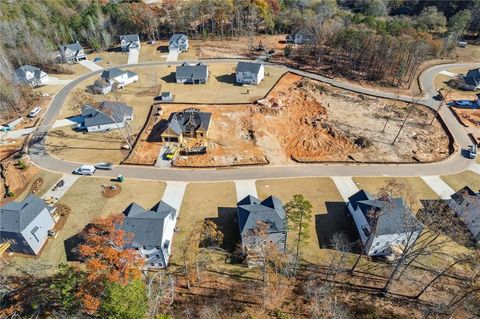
472,151
34,112
85,170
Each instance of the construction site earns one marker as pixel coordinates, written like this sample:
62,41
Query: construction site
304,121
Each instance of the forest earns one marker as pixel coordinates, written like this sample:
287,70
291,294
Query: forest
378,40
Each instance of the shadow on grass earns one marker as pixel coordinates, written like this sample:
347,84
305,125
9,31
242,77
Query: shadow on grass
227,224
170,78
228,78
71,247
162,48
335,221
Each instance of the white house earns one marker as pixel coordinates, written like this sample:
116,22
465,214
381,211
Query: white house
249,73
178,42
152,232
297,38
112,77
466,205
105,116
70,53
25,225
31,75
385,225
129,42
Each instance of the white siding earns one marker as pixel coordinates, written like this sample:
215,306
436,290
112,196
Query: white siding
43,222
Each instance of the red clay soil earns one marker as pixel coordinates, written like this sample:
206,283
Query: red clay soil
468,117
108,192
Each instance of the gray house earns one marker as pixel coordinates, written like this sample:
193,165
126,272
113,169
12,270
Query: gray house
25,225
70,53
192,73
178,42
385,225
31,75
471,80
129,41
191,123
251,210
152,232
466,205
106,116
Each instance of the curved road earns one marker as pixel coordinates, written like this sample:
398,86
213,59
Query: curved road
452,164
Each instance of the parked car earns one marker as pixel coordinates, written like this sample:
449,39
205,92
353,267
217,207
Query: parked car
85,170
463,103
472,151
34,112
97,59
104,165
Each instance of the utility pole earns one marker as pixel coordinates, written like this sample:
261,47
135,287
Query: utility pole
414,102
444,98
388,118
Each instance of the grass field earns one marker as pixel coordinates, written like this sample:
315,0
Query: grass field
415,188
87,202
460,180
328,212
49,179
216,201
153,52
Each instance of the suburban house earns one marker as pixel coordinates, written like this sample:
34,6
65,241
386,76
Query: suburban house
192,73
71,53
251,211
25,225
178,42
105,116
130,41
190,123
112,77
298,37
466,205
152,232
31,75
471,80
385,225
249,73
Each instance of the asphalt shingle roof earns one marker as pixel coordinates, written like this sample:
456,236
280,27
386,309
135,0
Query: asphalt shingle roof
102,115
250,67
73,46
130,37
16,216
473,77
112,73
251,210
189,120
147,225
178,38
197,71
391,215
21,71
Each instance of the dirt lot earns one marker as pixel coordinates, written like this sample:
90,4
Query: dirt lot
328,212
86,200
441,80
460,180
68,144
468,117
307,121
16,179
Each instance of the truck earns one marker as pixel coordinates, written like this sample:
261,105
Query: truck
472,151
85,170
34,112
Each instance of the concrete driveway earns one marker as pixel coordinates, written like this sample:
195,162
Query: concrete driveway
90,65
133,56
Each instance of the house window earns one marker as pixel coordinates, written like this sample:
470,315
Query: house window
158,256
366,231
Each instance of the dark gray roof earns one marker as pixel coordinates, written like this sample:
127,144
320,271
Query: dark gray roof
178,38
130,37
459,196
251,67
146,226
251,210
102,114
20,72
102,83
72,46
189,120
473,77
112,73
198,71
16,216
388,215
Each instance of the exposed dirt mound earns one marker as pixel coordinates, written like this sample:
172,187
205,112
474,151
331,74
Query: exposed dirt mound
110,191
36,185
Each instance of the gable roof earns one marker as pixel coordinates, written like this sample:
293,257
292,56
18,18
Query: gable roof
21,71
251,210
198,71
178,38
99,116
392,215
112,73
460,195
146,226
250,67
16,216
72,46
130,37
473,77
189,120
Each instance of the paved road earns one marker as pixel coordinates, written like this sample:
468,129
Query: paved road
453,164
